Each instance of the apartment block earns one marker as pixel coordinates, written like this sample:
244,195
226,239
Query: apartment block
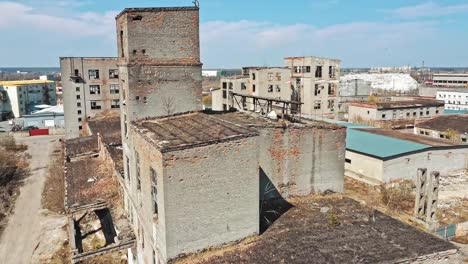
455,99
316,81
21,97
90,87
450,79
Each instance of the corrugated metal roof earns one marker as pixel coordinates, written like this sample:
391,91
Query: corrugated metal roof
378,145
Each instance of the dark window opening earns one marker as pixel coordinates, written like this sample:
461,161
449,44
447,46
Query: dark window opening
318,72
137,18
348,161
121,44
253,88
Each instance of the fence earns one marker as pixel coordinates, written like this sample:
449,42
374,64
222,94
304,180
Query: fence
447,232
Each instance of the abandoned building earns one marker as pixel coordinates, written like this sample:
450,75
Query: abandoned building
231,157
90,86
20,97
377,156
394,114
450,127
306,85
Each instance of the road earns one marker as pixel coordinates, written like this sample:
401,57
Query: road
22,234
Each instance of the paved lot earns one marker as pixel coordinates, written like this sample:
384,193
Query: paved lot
22,235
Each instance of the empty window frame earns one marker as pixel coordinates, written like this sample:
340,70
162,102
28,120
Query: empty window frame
270,76
115,104
137,169
224,94
95,89
306,69
154,190
231,86
243,86
331,104
253,88
113,74
278,76
317,90
270,88
317,104
278,88
95,105
331,89
114,88
224,85
79,112
78,89
318,72
332,72
93,74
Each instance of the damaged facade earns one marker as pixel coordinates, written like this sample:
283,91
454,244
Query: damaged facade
194,180
311,82
90,87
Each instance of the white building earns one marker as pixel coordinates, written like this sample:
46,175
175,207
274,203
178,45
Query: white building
210,73
23,96
454,99
378,156
450,79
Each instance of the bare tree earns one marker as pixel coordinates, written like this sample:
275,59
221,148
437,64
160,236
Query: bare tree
169,105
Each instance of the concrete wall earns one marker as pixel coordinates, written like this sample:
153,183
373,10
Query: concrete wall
40,121
305,82
217,100
377,171
454,100
301,161
373,114
459,138
211,195
72,90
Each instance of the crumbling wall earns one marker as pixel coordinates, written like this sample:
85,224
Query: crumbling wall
211,195
303,160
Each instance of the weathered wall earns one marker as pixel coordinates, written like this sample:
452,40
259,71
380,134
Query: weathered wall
73,89
363,168
301,161
159,56
211,195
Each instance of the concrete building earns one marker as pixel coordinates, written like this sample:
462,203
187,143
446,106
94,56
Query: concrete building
316,82
194,180
21,97
260,82
356,90
450,127
455,99
90,86
450,79
394,113
377,156
52,117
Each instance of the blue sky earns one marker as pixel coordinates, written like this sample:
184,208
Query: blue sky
235,33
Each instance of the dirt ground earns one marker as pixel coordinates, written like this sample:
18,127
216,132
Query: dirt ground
32,232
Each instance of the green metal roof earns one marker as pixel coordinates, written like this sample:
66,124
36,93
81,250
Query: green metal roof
378,145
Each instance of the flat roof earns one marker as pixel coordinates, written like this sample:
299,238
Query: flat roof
268,98
190,130
400,104
157,9
304,235
81,146
108,127
25,82
458,123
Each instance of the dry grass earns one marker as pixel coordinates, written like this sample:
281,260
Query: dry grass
453,214
54,189
63,256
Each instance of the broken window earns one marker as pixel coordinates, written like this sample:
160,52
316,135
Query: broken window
113,74
224,85
331,104
270,76
253,88
95,105
317,90
317,104
297,69
318,72
384,115
154,190
115,104
231,86
78,104
332,72
114,88
278,88
137,158
79,112
78,97
122,44
77,89
348,161
270,88
95,89
79,119
253,76
306,69
278,76
331,89
224,94
93,74
243,86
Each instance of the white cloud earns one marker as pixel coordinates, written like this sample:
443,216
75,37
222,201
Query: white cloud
81,25
429,9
